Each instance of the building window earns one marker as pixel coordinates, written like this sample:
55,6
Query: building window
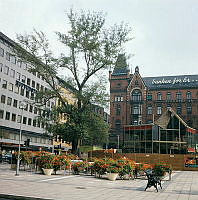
9,101
1,114
3,98
35,110
13,117
149,110
188,95
136,110
179,109
136,83
23,78
118,98
33,84
10,87
24,120
118,109
18,76
168,96
118,124
29,121
4,84
19,63
37,86
12,73
1,67
6,70
22,91
26,107
34,122
159,110
178,96
8,56
189,108
7,117
16,89
13,59
19,118
15,102
159,96
27,94
149,97
1,52
31,108
168,106
136,95
28,81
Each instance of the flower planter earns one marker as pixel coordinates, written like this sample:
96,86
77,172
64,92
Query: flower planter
112,176
47,172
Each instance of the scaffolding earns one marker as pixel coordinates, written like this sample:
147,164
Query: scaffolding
168,135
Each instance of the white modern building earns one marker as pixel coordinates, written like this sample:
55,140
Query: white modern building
18,85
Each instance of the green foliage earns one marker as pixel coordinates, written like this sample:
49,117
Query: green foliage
91,48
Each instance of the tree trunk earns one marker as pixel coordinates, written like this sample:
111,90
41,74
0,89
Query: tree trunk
75,145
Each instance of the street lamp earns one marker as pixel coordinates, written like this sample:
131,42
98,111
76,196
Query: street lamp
22,106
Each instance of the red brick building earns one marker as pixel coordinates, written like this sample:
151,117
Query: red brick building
139,100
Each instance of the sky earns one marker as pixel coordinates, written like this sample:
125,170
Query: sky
165,32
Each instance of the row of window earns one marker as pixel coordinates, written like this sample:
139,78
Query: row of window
22,91
32,109
6,70
12,58
18,118
169,96
5,134
136,109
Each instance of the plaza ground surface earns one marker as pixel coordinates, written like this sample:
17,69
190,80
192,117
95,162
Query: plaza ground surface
183,186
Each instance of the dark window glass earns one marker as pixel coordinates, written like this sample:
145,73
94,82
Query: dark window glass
9,101
178,96
136,95
15,103
149,110
29,121
168,96
188,95
3,98
24,120
13,117
149,97
7,116
4,84
189,109
179,109
118,109
1,114
159,110
28,81
159,96
33,84
22,92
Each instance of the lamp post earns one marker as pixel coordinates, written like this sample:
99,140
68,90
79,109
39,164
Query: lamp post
21,106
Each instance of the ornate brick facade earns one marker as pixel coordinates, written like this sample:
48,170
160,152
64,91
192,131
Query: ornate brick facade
142,100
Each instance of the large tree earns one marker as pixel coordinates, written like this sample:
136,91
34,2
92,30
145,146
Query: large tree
90,48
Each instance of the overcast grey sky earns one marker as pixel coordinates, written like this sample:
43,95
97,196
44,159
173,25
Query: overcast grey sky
165,31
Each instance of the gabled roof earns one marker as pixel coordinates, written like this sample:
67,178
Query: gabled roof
171,82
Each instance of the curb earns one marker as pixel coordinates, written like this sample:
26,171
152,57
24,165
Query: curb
13,197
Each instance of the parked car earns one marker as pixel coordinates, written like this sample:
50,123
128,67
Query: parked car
7,158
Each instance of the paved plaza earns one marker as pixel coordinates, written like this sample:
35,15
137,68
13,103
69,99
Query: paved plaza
183,186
